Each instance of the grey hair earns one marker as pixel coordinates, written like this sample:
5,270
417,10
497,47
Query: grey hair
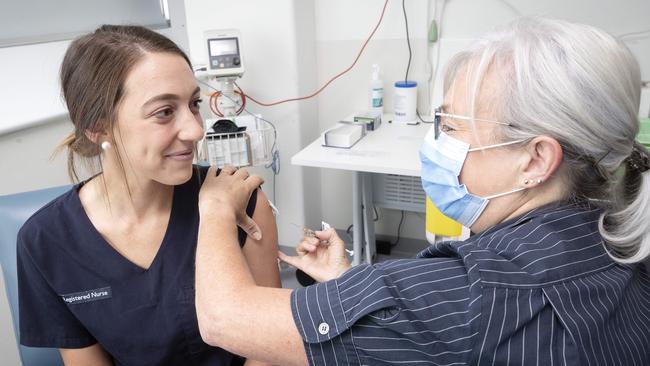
581,86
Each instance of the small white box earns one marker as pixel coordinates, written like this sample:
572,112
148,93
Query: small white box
372,119
343,135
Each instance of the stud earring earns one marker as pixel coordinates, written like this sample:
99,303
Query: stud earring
526,181
106,145
539,181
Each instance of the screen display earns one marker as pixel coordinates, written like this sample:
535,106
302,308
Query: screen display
223,46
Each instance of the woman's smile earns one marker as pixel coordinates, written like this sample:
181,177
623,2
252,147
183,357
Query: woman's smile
181,155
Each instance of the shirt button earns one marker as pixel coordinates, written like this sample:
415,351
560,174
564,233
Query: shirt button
323,328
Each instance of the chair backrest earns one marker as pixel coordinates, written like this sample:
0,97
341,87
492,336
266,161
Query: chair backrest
8,344
15,209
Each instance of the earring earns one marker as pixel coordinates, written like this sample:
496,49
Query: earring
526,181
106,145
539,181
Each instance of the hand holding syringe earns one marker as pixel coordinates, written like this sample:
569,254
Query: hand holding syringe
309,233
321,254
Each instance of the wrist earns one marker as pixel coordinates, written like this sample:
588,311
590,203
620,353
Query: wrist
220,213
343,269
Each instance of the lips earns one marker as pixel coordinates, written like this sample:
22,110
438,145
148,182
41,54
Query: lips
182,155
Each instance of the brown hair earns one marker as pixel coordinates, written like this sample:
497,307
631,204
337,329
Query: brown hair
93,73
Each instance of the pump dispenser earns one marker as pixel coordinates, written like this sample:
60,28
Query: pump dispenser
376,90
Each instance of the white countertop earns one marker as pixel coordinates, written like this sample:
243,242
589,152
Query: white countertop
391,149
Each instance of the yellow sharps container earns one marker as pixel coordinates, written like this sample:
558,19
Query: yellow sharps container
439,224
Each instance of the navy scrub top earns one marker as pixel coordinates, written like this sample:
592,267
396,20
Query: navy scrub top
76,290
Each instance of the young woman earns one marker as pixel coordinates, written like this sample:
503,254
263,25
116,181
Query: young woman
534,149
106,271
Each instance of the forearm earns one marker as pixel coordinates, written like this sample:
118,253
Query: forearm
222,275
233,312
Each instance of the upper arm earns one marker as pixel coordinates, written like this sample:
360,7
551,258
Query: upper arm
261,255
93,355
258,326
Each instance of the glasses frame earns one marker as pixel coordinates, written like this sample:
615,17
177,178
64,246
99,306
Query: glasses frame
440,113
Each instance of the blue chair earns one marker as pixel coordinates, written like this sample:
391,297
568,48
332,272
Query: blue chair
15,209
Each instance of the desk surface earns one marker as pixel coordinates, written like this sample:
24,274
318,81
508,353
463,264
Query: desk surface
391,149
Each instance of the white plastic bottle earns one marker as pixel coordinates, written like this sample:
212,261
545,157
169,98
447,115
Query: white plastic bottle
376,90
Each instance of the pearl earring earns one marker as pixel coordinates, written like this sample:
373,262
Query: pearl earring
539,181
526,181
106,145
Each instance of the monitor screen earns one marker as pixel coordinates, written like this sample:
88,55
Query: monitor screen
223,46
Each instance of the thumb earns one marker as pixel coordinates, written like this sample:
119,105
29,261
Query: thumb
331,236
250,227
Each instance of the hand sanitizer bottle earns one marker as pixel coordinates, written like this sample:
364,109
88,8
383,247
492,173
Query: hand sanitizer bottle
376,90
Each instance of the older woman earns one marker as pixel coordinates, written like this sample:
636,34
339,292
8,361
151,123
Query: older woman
534,149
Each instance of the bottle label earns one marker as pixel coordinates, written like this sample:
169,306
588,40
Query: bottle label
377,96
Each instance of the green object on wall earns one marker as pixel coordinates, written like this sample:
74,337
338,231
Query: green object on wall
644,132
433,32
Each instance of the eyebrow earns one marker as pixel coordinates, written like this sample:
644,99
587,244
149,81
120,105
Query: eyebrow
167,96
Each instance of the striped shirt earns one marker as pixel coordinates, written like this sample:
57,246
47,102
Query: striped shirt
536,290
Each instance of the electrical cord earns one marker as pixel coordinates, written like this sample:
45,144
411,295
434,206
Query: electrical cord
408,41
399,230
511,7
641,34
429,62
381,17
434,72
422,119
213,103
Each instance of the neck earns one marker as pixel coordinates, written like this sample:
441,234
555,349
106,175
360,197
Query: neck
129,195
508,207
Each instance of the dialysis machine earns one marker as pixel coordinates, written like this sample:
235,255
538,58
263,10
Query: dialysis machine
231,138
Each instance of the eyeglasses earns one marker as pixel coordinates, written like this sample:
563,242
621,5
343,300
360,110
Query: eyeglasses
440,113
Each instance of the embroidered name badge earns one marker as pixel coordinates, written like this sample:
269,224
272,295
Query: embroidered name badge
87,296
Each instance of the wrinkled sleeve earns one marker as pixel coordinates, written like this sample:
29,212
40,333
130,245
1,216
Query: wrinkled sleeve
323,318
388,313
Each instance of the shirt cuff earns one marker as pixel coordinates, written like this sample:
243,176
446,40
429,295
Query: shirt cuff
318,312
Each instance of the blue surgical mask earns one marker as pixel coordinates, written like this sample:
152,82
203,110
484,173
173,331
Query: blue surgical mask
442,160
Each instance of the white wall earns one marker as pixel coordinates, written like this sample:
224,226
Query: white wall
26,158
342,27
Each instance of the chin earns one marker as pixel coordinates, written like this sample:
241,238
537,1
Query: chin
177,176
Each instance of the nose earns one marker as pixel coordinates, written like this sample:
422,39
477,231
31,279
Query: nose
190,126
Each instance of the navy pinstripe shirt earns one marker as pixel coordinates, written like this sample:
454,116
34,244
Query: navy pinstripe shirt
536,290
